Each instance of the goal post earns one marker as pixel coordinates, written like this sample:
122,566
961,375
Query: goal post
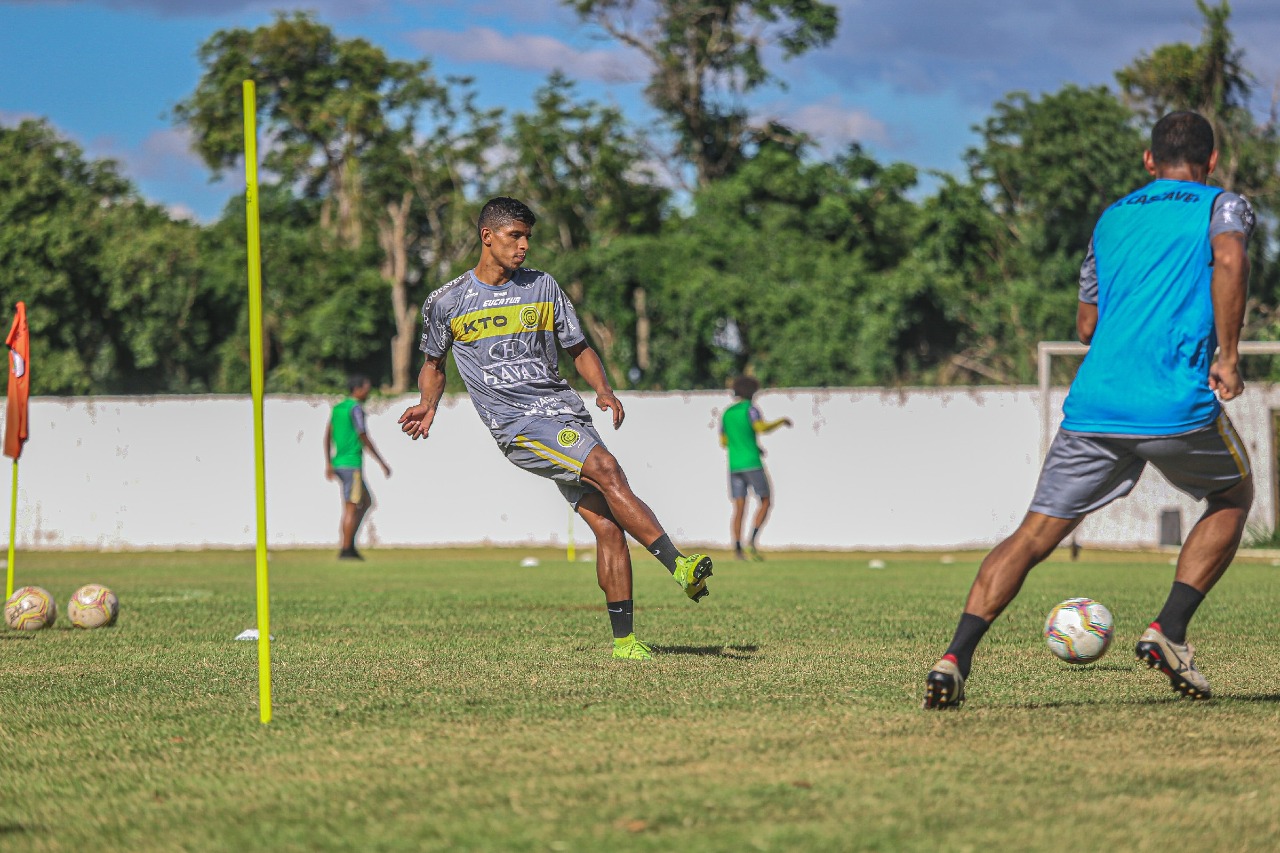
1048,349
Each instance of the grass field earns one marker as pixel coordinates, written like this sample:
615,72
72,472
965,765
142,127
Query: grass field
451,700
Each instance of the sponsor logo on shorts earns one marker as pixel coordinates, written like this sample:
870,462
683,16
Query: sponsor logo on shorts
568,437
529,317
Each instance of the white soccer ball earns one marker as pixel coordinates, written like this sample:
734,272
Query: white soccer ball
30,609
1079,630
93,606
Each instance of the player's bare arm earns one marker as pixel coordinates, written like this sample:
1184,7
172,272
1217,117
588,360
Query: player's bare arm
1230,289
416,420
373,451
328,462
590,368
1086,321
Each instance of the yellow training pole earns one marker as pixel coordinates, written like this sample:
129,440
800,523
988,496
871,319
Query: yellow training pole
569,552
13,530
256,382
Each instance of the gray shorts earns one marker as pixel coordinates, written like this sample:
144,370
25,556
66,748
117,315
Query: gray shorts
756,479
353,488
1085,472
556,449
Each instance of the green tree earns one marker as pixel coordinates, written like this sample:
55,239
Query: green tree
773,272
1046,168
1210,78
422,190
115,298
704,55
317,325
582,168
325,103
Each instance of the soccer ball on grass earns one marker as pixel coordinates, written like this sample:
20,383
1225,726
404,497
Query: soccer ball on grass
1079,630
93,606
30,609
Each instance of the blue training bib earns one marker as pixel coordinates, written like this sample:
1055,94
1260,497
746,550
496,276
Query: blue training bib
1148,365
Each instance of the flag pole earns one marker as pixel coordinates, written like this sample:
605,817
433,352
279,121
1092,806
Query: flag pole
256,383
13,528
16,417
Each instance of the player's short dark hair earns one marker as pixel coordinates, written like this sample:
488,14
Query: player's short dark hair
1182,137
358,380
745,387
501,211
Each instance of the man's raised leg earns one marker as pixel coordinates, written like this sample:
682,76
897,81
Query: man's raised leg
601,469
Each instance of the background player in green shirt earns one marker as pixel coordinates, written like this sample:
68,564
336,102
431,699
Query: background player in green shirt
740,425
345,440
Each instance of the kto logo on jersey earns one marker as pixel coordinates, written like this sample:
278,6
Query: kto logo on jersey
568,437
471,327
508,350
529,317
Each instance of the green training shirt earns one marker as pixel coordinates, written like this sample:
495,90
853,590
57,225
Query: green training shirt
347,423
737,425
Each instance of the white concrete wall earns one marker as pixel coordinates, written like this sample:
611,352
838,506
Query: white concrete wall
920,468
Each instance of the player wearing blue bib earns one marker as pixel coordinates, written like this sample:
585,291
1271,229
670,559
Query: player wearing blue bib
1162,288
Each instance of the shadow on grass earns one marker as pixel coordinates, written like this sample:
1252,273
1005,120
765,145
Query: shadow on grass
1087,703
17,635
19,828
1252,697
1154,700
739,652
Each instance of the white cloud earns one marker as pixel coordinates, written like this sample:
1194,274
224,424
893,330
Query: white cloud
183,212
216,8
12,118
162,155
532,53
164,165
986,48
835,125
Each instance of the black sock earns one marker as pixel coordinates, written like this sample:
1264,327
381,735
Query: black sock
1179,607
968,633
665,552
621,617
737,545
755,531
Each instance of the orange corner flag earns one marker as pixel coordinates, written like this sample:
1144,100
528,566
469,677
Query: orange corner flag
15,421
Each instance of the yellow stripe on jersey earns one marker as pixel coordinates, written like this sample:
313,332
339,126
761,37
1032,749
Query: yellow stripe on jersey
503,320
1233,443
539,449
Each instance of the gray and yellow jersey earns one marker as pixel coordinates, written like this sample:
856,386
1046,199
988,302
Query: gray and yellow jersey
504,342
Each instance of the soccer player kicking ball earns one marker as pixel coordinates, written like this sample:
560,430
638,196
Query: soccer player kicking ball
504,322
1162,286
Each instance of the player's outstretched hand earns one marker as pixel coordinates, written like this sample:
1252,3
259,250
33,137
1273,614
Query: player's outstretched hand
609,400
1225,380
416,421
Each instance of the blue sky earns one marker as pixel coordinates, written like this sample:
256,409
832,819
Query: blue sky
907,78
